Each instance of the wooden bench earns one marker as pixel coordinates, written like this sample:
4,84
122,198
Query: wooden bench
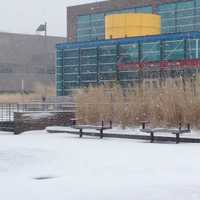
179,131
100,128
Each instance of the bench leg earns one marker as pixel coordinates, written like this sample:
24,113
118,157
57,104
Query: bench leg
101,133
177,138
143,125
152,137
81,133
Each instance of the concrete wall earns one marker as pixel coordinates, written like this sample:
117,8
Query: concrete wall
26,57
40,120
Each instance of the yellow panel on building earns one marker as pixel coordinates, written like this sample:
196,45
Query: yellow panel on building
133,20
119,33
132,25
118,21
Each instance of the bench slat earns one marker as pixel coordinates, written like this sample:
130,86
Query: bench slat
85,127
90,127
163,130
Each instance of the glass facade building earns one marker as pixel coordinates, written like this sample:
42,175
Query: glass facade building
180,16
88,59
127,60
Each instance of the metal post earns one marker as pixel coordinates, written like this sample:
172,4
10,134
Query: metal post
97,67
101,133
117,68
185,49
143,125
180,126
140,71
102,124
79,67
9,112
161,60
195,12
81,133
62,73
197,48
152,137
110,124
188,127
177,138
101,130
176,18
22,90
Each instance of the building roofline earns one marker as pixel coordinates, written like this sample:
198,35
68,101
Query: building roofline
106,6
103,7
28,35
118,3
154,38
86,4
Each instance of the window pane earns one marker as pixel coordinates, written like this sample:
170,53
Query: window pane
89,52
71,61
71,77
107,50
89,77
59,62
147,9
128,53
83,19
185,16
173,50
107,76
71,69
150,51
88,68
71,53
168,14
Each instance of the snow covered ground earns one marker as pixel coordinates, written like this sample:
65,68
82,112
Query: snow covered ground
94,169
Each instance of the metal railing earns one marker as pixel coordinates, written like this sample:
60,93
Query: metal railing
7,109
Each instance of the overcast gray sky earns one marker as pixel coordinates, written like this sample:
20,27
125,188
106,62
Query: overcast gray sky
24,16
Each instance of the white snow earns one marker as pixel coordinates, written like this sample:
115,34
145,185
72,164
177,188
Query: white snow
94,169
38,115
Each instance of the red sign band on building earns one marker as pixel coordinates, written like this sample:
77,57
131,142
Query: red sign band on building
162,65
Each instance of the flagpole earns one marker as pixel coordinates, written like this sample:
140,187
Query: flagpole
46,59
45,32
43,28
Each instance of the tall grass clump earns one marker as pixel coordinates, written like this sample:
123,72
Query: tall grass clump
173,101
39,91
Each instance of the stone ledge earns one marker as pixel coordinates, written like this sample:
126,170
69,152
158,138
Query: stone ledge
27,121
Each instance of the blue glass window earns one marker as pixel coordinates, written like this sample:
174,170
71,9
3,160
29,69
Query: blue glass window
128,53
168,17
150,51
173,50
146,9
185,16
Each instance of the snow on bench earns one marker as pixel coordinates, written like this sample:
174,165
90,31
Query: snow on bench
176,132
100,128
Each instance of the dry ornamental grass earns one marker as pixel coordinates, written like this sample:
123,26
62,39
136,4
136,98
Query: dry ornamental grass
172,102
38,92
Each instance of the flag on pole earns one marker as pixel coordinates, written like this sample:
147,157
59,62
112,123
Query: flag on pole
41,28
